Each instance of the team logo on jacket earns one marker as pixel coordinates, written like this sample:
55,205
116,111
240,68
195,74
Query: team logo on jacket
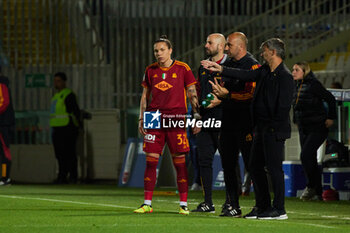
163,86
248,138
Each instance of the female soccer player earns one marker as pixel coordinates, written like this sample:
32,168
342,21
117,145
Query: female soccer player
166,84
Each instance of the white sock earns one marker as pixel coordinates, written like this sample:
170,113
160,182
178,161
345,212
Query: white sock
147,202
183,203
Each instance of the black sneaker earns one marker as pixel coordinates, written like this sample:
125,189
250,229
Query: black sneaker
272,213
5,181
253,214
226,207
235,213
204,208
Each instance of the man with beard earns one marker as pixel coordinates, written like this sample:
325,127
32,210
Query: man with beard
208,138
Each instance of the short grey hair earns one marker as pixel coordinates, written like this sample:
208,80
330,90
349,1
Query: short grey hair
275,44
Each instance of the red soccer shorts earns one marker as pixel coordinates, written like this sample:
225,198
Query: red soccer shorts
176,138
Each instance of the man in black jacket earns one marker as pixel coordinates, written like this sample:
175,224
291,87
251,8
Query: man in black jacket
208,138
7,123
270,112
236,130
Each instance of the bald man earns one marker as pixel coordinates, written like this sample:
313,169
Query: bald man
208,138
236,129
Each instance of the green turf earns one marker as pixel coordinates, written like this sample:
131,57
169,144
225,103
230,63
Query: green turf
101,208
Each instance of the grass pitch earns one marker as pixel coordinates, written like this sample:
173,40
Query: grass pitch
107,208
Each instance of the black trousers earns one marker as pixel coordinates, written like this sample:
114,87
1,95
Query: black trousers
6,134
231,143
310,141
267,152
207,144
64,141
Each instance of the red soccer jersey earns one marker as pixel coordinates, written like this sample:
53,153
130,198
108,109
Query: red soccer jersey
168,87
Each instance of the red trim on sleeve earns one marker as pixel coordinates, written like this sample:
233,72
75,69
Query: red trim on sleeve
191,84
4,98
256,66
248,92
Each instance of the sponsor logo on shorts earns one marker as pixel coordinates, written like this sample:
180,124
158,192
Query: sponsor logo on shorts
150,138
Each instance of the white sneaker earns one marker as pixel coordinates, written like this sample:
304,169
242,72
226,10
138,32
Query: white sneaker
5,182
195,187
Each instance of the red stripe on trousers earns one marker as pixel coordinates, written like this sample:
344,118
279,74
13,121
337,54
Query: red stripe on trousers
5,148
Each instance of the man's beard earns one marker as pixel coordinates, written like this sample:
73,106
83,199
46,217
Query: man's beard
212,53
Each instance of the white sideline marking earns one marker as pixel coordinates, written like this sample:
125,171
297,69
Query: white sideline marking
322,216
128,207
318,225
65,201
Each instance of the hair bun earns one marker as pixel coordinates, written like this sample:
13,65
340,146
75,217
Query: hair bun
163,37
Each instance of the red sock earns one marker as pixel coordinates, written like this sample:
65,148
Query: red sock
150,177
182,183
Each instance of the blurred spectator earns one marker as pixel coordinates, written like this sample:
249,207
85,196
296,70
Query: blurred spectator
7,123
313,122
336,85
65,121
